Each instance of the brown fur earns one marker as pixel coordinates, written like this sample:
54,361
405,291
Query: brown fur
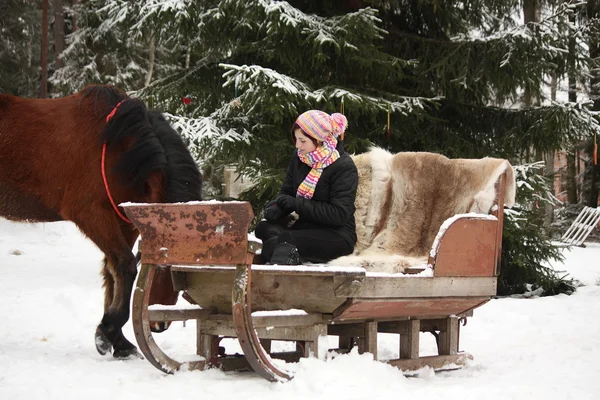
404,198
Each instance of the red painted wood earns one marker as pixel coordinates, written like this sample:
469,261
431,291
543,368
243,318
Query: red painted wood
417,308
468,248
200,234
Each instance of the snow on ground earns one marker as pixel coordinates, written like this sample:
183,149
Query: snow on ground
51,296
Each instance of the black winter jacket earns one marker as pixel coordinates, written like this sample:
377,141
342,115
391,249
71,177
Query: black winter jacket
332,205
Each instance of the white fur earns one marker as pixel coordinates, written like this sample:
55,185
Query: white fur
416,193
381,173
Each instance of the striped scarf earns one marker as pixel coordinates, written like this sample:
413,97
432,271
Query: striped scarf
320,158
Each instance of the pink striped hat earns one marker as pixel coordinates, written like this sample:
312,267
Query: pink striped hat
321,125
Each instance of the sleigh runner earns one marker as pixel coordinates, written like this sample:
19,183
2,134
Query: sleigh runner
206,243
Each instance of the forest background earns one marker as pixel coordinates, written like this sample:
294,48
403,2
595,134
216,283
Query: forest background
517,79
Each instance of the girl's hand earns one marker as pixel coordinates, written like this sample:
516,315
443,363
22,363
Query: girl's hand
273,212
287,203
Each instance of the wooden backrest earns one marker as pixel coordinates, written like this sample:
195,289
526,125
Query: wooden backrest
205,233
472,246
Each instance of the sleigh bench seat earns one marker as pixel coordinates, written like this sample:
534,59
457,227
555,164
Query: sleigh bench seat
323,289
206,246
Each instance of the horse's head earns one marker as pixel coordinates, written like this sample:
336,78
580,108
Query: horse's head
171,176
162,292
183,183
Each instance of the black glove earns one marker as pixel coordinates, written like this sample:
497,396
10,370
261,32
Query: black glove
287,203
273,212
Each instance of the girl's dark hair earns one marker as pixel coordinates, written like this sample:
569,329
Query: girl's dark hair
296,126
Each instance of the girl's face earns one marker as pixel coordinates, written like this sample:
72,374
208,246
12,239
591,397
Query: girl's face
303,142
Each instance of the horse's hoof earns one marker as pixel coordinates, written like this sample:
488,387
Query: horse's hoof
158,327
103,345
128,354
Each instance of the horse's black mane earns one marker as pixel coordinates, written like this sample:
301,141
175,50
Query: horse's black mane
184,182
157,146
104,98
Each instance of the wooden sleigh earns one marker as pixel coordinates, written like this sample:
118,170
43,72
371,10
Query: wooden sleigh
206,244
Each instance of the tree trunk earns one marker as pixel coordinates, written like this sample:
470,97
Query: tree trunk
30,48
571,178
44,56
59,32
74,17
593,11
531,13
549,161
571,162
151,51
590,177
549,208
592,200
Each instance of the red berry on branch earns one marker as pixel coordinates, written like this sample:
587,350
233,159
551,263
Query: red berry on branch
186,100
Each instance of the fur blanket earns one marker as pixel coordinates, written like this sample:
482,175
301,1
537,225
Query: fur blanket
403,199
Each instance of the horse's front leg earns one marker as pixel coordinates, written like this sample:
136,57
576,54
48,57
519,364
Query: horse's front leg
115,239
123,348
121,273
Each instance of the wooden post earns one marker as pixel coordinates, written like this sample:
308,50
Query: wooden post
346,343
266,344
319,335
368,343
204,344
449,337
409,342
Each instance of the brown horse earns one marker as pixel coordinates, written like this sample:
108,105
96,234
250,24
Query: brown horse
76,158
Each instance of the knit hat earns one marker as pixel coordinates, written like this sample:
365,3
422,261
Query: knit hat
322,126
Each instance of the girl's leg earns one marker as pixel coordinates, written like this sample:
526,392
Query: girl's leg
268,233
265,230
319,246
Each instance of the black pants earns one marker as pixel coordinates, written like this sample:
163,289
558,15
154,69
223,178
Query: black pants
315,244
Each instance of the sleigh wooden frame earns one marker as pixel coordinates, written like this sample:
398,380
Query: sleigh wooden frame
206,244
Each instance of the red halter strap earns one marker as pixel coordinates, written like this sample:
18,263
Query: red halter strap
112,202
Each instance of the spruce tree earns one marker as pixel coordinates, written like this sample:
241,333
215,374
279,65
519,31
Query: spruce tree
448,76
19,48
106,48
